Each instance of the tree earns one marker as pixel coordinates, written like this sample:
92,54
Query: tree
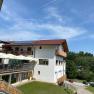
71,69
81,53
80,66
71,56
84,74
88,54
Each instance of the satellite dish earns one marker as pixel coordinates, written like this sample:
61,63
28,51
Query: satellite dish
1,2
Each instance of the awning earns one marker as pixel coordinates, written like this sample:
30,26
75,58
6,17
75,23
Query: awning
19,57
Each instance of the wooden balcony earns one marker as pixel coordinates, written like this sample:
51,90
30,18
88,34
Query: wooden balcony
61,53
14,69
25,53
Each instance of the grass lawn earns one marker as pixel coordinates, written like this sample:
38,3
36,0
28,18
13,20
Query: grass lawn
90,88
41,88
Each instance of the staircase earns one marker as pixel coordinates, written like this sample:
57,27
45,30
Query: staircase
4,86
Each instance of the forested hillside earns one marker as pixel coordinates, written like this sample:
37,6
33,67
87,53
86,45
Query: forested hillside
80,66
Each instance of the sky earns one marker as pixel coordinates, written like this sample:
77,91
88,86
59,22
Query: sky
72,20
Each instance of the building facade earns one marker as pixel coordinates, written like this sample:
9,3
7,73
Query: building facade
50,64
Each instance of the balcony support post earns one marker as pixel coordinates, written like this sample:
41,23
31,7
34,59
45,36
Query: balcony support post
20,77
9,81
0,77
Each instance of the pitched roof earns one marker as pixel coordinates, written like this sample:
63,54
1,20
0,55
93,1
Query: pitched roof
39,42
48,42
52,42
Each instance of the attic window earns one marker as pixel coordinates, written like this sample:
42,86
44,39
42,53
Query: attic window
40,47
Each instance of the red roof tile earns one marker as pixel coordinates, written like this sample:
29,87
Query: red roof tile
48,42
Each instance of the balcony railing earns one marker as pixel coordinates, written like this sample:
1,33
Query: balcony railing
18,52
61,53
12,69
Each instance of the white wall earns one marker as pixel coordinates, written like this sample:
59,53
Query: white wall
50,72
59,69
46,71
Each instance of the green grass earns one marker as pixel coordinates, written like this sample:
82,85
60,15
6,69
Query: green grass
90,88
42,88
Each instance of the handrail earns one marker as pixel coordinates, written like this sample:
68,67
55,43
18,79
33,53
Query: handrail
16,69
13,70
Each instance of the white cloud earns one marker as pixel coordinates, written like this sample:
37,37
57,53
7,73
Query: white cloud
30,30
54,13
18,35
48,3
91,36
11,10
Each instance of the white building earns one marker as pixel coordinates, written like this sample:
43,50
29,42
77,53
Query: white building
49,64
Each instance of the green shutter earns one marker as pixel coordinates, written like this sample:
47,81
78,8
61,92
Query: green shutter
1,1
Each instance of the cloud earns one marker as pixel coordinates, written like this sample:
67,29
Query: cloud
49,3
18,35
54,13
31,30
23,29
12,11
91,36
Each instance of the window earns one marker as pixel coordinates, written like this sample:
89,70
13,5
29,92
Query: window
43,61
59,62
62,62
21,49
0,60
38,72
29,49
40,47
31,52
16,48
56,62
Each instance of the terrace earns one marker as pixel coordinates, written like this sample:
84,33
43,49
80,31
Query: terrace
15,66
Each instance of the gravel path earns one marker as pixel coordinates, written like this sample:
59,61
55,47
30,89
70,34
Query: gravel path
80,88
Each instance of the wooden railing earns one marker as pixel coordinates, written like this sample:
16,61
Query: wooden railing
4,86
25,53
24,67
